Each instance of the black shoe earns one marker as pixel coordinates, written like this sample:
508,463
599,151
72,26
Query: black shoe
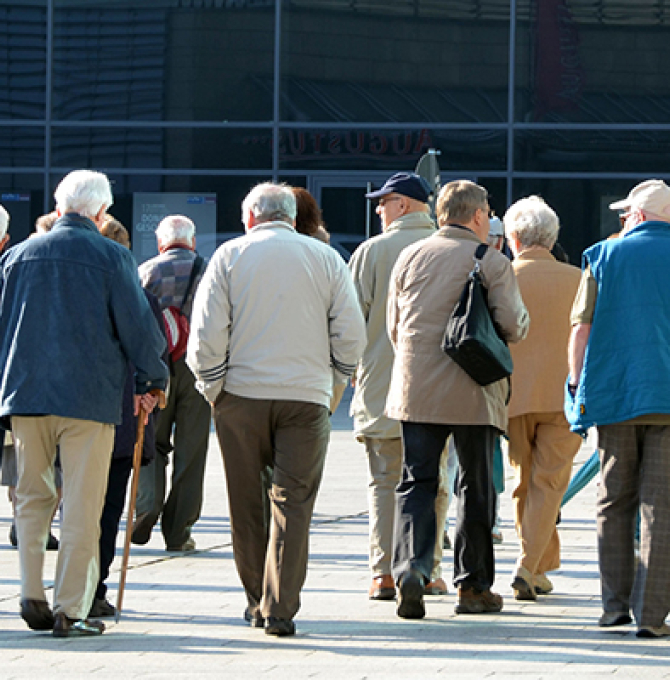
52,541
410,595
102,609
279,627
64,626
142,529
255,620
37,614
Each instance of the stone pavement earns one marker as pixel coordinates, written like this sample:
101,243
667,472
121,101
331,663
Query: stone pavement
183,612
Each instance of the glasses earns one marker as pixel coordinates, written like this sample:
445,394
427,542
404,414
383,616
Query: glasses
623,217
384,201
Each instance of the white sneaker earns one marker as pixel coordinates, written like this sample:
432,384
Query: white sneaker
653,631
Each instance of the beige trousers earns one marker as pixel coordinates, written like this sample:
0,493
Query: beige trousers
384,467
541,451
85,452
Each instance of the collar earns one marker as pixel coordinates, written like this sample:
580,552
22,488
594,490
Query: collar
73,219
278,224
535,253
648,225
413,220
458,231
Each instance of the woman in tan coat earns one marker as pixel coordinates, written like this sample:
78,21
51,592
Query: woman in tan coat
541,446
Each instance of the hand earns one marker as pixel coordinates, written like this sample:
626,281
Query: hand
147,402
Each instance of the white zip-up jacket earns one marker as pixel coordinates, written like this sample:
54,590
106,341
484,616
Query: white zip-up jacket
274,314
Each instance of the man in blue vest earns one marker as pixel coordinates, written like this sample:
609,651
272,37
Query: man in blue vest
619,381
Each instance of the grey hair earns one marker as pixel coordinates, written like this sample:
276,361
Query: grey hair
532,222
4,222
175,228
84,192
268,202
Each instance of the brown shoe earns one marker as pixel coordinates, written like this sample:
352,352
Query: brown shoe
64,626
436,587
382,588
37,614
472,601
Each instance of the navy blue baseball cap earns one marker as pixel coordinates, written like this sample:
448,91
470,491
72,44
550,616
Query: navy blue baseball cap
404,183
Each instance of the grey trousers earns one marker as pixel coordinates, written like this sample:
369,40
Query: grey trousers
635,464
290,437
182,428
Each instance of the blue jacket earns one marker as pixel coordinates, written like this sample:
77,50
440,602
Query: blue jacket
72,314
626,370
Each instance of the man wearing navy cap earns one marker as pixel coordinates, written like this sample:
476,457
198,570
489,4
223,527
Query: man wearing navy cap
405,216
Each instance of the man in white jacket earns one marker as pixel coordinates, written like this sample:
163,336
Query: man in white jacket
275,313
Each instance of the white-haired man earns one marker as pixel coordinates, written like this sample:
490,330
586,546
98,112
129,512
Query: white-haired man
183,426
80,292
274,314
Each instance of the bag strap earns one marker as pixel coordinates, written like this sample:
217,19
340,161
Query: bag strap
194,272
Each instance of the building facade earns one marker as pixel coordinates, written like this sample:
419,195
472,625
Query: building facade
565,98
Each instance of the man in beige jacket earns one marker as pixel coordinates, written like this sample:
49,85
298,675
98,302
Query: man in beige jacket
433,397
405,216
541,446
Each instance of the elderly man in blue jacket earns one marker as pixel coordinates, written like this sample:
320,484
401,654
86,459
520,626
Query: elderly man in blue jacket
72,314
619,381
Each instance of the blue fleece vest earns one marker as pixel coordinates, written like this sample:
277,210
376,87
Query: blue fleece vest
626,369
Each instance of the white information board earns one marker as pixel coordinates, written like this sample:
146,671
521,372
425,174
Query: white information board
150,208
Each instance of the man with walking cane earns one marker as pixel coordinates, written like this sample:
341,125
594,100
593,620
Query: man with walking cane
72,313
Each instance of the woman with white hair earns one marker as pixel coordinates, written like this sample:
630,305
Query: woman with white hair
541,446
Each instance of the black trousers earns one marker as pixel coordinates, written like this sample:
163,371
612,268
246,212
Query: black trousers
414,532
115,499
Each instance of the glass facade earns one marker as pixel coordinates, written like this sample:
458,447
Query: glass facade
565,98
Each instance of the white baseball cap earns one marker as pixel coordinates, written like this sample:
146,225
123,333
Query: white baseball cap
652,196
496,227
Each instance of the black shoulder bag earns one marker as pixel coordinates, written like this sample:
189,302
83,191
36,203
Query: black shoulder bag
472,339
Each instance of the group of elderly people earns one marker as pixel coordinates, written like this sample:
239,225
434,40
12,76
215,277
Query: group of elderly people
410,398
589,349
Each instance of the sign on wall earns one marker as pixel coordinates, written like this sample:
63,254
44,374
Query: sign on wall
150,208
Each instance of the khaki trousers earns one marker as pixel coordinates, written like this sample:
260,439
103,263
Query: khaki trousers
291,438
85,453
541,451
384,467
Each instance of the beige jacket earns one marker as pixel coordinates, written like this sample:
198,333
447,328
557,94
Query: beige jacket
371,266
548,289
426,385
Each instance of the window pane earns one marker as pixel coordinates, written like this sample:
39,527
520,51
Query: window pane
582,206
394,61
192,148
21,146
168,61
23,198
22,60
595,150
390,150
585,61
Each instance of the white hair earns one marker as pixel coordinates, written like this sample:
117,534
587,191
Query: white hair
174,228
532,222
4,222
268,202
84,192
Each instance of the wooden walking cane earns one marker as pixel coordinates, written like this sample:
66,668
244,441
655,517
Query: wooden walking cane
137,461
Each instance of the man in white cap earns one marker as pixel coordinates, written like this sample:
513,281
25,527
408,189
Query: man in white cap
619,381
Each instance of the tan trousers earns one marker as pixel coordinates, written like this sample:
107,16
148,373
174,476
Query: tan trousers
541,451
384,466
290,438
85,452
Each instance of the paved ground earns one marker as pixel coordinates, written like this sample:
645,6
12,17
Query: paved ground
182,615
